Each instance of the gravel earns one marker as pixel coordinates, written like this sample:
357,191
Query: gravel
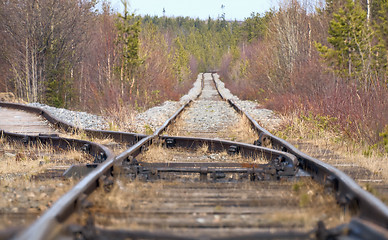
208,115
194,91
225,93
79,119
154,117
211,110
267,118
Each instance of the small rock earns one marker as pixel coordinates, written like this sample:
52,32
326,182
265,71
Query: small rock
42,195
201,220
31,195
9,155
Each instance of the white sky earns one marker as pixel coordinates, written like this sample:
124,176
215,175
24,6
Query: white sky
234,9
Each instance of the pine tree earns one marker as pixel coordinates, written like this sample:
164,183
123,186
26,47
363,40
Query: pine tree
381,48
350,38
181,61
254,27
128,40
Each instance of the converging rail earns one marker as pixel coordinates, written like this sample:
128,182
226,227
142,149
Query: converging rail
347,192
284,162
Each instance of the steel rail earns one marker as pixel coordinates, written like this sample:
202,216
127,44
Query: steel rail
347,191
246,150
126,137
177,113
49,223
99,151
61,208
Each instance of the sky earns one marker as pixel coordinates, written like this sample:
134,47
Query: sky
234,9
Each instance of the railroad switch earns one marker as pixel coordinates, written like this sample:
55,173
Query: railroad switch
283,167
331,184
131,160
26,140
106,182
283,149
154,174
143,148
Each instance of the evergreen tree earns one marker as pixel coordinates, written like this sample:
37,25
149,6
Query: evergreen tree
128,40
254,27
381,48
181,61
350,39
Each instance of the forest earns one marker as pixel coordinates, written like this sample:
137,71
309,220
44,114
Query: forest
323,61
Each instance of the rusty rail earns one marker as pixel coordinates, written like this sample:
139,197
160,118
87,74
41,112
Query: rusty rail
126,137
347,191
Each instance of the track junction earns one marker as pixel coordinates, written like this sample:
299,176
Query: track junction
193,182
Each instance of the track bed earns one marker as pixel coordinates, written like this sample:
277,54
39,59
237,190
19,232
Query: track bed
209,116
213,209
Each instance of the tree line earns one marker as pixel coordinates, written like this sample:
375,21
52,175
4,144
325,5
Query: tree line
327,59
71,54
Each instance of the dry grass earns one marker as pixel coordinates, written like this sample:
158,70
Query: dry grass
369,170
23,197
313,199
122,119
115,147
158,153
243,132
33,159
329,146
301,204
175,128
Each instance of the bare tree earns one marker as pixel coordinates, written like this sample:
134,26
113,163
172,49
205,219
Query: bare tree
43,39
291,33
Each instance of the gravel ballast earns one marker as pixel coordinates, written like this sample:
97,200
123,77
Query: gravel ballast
154,117
208,115
78,119
265,117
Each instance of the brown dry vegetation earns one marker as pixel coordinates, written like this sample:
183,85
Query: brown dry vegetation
35,159
239,132
25,193
313,199
158,153
242,131
331,141
307,204
367,166
285,72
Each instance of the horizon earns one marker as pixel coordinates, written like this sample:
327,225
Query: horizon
233,10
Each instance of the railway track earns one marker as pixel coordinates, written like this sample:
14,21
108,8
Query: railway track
176,187
209,116
31,180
